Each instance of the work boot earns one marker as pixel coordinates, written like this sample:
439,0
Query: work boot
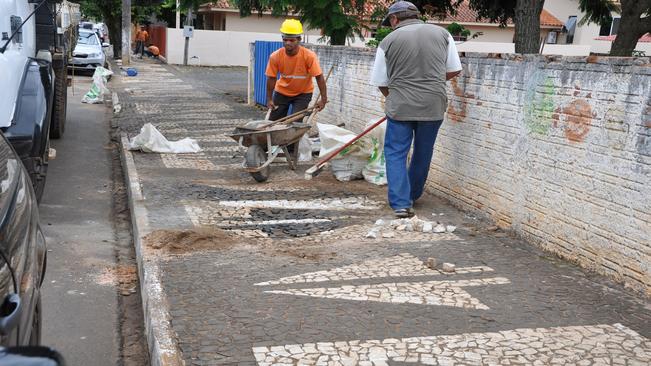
403,213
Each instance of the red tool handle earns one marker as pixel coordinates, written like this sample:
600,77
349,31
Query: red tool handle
341,148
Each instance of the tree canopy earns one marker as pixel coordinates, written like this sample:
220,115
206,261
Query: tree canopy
634,23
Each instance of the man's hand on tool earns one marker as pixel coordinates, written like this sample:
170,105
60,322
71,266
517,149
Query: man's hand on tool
271,105
321,103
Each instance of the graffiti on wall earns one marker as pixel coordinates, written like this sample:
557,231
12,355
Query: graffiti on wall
458,106
539,104
541,112
577,117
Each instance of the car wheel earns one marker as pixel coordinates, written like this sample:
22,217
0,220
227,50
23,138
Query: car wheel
38,172
58,123
35,335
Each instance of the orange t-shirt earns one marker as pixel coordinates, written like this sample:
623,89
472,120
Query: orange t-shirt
154,50
296,72
142,35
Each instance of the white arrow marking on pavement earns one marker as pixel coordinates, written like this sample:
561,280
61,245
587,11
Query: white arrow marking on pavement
275,222
402,265
358,203
441,293
598,344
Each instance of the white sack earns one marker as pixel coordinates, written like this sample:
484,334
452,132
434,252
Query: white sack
350,162
151,140
98,89
375,170
305,149
332,137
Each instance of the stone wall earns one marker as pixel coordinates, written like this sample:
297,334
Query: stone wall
557,149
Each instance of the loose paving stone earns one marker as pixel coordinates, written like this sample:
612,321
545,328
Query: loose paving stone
376,302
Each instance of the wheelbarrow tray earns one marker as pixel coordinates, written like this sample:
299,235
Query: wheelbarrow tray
279,135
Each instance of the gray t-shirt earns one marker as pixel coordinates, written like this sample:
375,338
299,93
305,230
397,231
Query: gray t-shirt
416,57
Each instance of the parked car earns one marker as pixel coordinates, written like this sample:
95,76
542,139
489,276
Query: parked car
22,254
89,52
28,124
100,29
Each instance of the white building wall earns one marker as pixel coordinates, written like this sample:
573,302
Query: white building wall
213,48
260,24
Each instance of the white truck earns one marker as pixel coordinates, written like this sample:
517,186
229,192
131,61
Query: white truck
35,44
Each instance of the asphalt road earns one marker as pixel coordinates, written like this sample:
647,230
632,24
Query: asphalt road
80,296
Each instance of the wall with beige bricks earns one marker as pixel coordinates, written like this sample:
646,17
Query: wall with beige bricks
557,149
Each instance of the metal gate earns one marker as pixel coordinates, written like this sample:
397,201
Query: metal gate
263,50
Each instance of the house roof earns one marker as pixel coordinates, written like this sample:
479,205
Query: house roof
644,38
464,14
220,4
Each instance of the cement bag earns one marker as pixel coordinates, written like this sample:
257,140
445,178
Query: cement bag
350,162
375,170
151,140
98,89
305,149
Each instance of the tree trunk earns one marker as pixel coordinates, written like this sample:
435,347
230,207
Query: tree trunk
631,28
115,34
113,21
527,25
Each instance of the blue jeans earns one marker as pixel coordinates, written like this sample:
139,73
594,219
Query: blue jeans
406,185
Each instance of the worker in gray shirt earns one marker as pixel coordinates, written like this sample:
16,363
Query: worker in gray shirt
411,67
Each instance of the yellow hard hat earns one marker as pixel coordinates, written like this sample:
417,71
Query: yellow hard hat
291,27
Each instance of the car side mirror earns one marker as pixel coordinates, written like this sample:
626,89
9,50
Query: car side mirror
10,313
105,44
30,356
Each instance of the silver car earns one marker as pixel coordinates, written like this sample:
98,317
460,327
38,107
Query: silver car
89,52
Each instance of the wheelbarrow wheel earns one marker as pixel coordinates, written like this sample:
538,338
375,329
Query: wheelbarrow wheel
255,157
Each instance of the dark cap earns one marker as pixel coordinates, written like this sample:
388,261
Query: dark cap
400,7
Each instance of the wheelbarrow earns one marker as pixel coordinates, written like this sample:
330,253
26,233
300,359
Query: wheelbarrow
264,145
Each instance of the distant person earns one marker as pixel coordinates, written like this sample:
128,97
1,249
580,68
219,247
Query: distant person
141,37
411,67
152,51
297,66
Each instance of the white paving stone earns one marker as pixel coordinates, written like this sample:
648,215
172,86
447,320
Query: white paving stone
402,265
440,293
479,349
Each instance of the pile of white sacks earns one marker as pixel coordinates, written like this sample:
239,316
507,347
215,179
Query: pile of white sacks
388,228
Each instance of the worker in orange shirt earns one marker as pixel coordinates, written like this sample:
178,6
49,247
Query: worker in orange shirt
152,51
141,37
297,66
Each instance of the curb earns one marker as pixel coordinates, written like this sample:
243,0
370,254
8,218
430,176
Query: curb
161,339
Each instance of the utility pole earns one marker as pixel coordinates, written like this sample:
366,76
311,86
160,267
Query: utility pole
126,32
178,14
187,39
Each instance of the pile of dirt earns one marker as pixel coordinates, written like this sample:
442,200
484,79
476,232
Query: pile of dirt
184,241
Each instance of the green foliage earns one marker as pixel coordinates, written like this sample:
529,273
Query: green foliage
598,11
380,34
457,29
496,11
338,19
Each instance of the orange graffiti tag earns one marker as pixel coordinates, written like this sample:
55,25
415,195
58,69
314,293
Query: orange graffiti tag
454,114
578,120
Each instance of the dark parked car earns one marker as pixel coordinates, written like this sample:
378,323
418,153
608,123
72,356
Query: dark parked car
22,253
29,131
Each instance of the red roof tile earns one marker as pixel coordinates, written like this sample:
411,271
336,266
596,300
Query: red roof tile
645,38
